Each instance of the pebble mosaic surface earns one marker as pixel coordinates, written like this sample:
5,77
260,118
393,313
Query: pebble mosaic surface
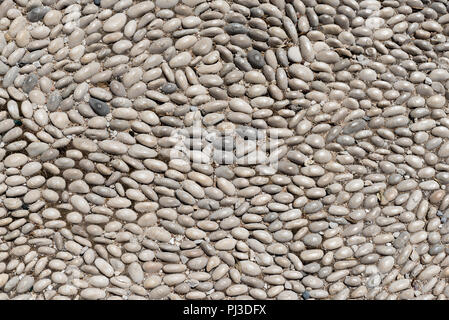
247,149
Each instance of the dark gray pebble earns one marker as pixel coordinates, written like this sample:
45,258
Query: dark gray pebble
249,133
256,59
99,107
30,82
354,126
37,14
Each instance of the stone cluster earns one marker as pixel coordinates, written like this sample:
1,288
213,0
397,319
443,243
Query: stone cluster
212,149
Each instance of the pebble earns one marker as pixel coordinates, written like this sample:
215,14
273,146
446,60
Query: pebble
99,107
115,23
256,59
166,4
92,294
37,13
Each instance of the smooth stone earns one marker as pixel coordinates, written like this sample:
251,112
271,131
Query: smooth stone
294,54
256,59
166,4
92,294
54,100
30,82
180,60
36,14
250,268
113,147
115,23
10,76
99,107
15,160
87,72
235,28
169,88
